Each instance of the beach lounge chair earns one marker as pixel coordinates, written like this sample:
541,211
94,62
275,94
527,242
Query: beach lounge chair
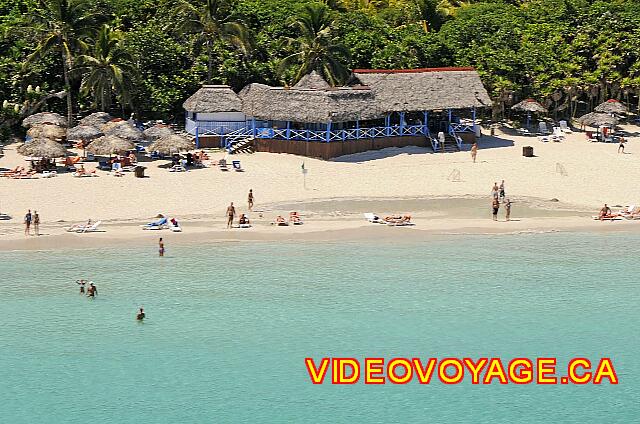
590,136
236,166
49,174
564,127
557,135
156,225
104,165
177,168
174,226
84,228
543,128
373,218
244,223
544,138
222,164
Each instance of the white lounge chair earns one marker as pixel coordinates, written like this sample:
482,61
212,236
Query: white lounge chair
83,228
178,168
544,138
557,135
373,218
564,127
543,128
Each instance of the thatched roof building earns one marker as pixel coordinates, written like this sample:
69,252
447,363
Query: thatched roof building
212,99
425,89
312,81
44,118
308,105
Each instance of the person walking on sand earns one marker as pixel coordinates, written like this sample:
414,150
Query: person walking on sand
474,151
160,247
621,145
231,212
496,207
507,209
36,223
501,188
250,200
27,223
495,191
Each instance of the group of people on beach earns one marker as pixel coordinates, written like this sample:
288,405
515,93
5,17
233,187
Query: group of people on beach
29,220
231,212
499,197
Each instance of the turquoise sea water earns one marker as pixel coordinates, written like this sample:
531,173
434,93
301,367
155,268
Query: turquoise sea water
229,326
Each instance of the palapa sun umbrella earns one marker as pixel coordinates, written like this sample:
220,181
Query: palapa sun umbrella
529,106
123,129
611,106
157,131
97,119
42,148
84,133
109,145
44,118
597,119
50,131
171,144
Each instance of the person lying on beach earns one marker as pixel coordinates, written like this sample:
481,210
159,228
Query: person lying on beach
243,220
280,221
398,219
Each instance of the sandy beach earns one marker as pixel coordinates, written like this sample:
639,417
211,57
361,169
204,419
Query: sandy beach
445,193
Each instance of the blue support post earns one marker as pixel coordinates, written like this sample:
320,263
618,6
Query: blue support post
357,129
288,130
306,137
426,122
449,116
328,131
387,124
473,117
401,122
197,138
253,127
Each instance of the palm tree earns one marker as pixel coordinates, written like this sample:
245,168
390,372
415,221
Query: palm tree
61,24
210,23
318,50
106,69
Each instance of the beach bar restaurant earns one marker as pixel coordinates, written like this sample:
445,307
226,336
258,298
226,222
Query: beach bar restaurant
377,109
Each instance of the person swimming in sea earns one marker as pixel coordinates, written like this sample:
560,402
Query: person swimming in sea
140,315
81,283
92,290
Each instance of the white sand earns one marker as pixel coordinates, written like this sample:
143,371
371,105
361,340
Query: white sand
594,173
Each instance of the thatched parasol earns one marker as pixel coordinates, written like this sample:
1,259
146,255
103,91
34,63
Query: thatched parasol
109,145
597,119
123,129
529,105
42,148
50,131
157,132
171,144
44,118
83,133
97,119
611,106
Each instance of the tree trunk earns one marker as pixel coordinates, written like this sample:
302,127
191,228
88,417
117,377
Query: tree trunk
67,87
210,64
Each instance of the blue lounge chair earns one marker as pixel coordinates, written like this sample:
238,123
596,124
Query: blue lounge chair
104,165
236,166
157,225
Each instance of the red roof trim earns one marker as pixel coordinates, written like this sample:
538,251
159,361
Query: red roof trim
411,71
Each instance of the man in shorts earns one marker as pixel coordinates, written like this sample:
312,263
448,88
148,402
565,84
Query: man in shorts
231,212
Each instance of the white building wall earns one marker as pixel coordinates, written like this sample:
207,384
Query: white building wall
221,117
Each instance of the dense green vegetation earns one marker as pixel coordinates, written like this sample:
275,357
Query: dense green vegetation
147,56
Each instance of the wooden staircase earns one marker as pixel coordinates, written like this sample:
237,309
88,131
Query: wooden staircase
450,145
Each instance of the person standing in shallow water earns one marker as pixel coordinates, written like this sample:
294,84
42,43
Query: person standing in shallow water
36,223
92,291
250,200
160,247
140,315
27,223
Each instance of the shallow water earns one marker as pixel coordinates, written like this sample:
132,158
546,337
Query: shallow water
229,326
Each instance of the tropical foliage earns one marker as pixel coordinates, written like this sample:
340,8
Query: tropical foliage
568,54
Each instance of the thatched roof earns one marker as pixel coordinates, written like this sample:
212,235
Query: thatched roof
109,145
596,119
83,133
312,81
50,131
611,106
309,106
425,89
122,129
529,105
213,98
171,144
97,119
42,148
157,131
44,118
